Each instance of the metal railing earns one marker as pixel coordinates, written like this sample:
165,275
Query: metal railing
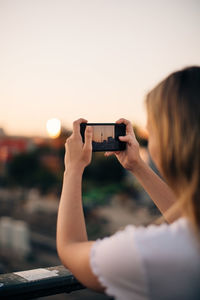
38,283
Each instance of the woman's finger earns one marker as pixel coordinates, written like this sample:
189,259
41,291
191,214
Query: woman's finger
88,137
76,125
110,153
127,138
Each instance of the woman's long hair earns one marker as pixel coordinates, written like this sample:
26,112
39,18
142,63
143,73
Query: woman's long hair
174,109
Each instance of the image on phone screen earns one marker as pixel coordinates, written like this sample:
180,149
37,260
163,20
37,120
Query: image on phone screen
106,136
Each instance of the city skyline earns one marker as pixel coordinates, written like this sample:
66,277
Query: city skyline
91,59
107,144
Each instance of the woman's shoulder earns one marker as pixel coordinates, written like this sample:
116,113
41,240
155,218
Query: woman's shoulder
180,227
175,241
135,243
164,235
166,252
135,258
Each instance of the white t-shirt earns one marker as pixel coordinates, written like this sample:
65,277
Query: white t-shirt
156,262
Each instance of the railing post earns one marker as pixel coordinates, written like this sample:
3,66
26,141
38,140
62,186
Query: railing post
38,283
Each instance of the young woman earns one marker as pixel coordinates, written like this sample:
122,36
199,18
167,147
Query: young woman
159,261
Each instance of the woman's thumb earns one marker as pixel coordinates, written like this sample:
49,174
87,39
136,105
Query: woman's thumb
126,138
88,136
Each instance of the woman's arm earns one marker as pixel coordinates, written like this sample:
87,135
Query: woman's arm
72,243
158,190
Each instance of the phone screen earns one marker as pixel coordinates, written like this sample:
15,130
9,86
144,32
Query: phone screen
105,136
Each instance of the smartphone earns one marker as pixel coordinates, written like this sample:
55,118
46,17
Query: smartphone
105,136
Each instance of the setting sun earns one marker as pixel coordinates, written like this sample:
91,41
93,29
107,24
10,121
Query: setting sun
53,127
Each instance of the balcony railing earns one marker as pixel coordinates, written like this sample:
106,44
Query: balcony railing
38,283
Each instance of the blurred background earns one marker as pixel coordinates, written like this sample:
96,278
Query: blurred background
65,59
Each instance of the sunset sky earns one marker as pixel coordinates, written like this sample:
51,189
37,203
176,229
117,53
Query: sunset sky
95,59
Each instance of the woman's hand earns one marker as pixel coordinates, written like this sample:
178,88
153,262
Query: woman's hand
129,158
78,154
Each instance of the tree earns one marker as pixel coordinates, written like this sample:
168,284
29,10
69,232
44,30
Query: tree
26,170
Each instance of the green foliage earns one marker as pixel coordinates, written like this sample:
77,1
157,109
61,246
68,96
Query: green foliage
103,178
22,169
97,195
27,171
104,170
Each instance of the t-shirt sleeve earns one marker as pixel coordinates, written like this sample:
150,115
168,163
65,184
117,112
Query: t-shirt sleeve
118,266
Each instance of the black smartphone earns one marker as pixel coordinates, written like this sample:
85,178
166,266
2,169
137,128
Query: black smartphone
105,136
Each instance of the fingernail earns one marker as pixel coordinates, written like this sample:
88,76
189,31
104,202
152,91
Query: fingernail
89,129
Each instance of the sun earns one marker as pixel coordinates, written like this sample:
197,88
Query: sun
53,127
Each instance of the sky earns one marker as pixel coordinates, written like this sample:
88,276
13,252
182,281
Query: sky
95,59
